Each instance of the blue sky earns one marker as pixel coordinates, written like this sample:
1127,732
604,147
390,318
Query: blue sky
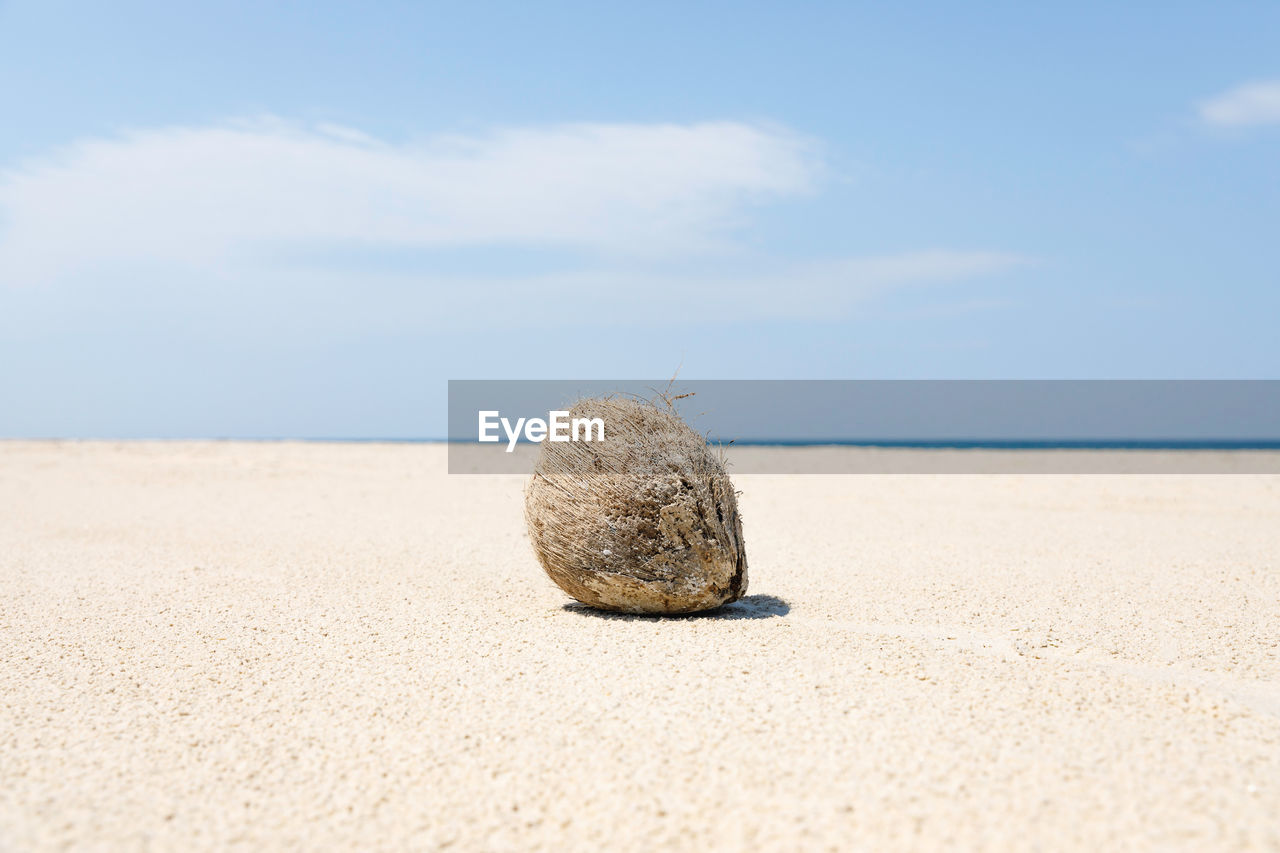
301,219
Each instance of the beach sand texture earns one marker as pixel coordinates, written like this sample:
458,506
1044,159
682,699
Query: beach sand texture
337,645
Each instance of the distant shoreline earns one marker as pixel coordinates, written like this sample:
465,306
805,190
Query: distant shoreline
1171,444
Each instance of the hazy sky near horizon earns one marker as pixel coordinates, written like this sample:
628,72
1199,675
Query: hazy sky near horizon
266,219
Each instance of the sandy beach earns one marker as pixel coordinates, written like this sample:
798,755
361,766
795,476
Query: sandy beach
328,646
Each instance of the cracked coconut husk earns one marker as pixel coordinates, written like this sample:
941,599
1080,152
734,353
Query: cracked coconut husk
645,521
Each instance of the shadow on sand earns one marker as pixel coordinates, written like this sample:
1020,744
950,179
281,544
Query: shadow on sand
750,607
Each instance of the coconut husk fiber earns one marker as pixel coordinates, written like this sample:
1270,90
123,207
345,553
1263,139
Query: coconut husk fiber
645,521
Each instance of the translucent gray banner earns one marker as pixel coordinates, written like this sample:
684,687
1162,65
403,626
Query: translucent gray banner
904,426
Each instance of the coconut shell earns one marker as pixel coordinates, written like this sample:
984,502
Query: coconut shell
645,521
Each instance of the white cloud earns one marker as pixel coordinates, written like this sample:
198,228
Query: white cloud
821,290
322,302
241,303
195,196
245,229
1249,104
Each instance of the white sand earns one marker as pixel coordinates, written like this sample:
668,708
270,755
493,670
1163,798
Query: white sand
338,645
